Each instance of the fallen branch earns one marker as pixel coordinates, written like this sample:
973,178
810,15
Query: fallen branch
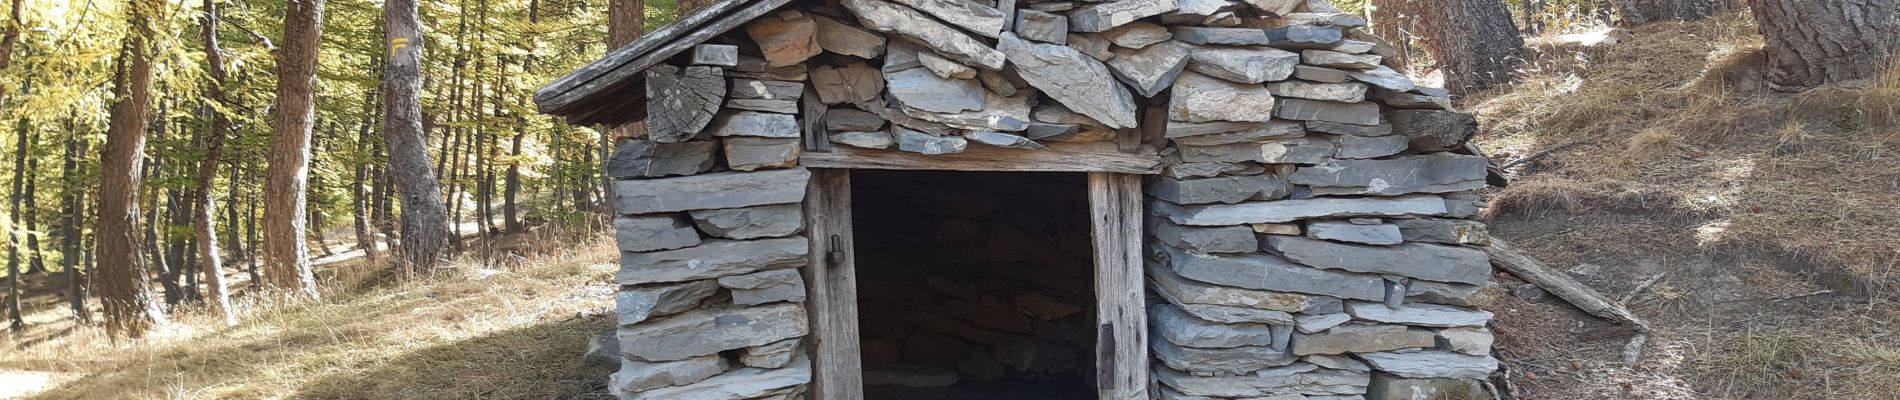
1640,288
1545,152
1508,257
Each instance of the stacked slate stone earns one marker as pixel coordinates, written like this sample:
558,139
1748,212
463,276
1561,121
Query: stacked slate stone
710,208
960,281
1322,250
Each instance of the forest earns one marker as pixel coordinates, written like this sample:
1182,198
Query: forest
174,162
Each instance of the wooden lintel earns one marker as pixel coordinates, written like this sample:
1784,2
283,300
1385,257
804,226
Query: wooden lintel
1058,157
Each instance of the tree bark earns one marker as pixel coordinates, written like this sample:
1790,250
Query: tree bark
1473,41
287,261
627,19
205,220
74,234
16,317
359,194
688,6
1639,12
1810,43
425,224
125,288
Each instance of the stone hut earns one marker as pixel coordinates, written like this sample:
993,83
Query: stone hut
1036,199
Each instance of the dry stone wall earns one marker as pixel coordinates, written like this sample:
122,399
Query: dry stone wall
1309,230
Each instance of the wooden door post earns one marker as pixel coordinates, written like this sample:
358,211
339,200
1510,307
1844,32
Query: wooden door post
832,281
1122,333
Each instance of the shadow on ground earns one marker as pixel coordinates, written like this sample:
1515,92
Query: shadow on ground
540,361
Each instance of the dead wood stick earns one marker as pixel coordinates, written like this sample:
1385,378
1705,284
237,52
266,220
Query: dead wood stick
1506,256
1540,154
1638,291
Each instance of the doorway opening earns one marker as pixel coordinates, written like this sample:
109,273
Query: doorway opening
974,285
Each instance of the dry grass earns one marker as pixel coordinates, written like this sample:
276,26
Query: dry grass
1750,200
514,332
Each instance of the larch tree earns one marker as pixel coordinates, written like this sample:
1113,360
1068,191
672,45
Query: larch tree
425,221
205,220
11,37
124,283
287,261
1474,42
1639,12
1810,43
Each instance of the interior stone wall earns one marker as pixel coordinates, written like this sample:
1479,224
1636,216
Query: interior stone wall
979,281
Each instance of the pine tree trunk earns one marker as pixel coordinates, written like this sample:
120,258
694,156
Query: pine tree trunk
1474,42
1639,12
359,194
205,220
1810,43
15,316
33,218
124,287
73,200
425,223
287,256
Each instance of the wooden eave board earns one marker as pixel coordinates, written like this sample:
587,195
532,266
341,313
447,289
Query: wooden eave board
615,72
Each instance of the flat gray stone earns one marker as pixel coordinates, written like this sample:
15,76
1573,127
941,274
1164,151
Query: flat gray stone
1362,147
923,143
755,124
1277,229
1277,7
867,140
1349,129
1266,272
738,384
1384,77
1255,133
1289,382
838,37
1044,130
1361,113
1359,338
1339,19
1419,314
1443,293
882,16
1042,26
649,159
719,55
998,83
998,113
945,68
1098,17
1229,36
1320,74
1055,113
1235,360
755,89
709,191
1248,64
765,287
636,304
1432,262
922,89
712,259
1220,189
774,355
1354,46
846,119
773,106
1474,340
1339,362
1137,35
1199,98
711,330
1431,364
1304,37
1434,130
1204,8
1150,70
970,15
1186,292
1223,239
1320,323
1431,173
1003,140
1299,150
1072,78
1447,231
1347,232
1334,59
1294,210
1091,44
1180,328
1053,6
654,232
1412,100
1340,92
636,376
754,153
751,222
1237,315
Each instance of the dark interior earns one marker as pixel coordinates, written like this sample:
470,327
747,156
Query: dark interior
974,285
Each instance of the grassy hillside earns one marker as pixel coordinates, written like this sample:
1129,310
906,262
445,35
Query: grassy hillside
1762,221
